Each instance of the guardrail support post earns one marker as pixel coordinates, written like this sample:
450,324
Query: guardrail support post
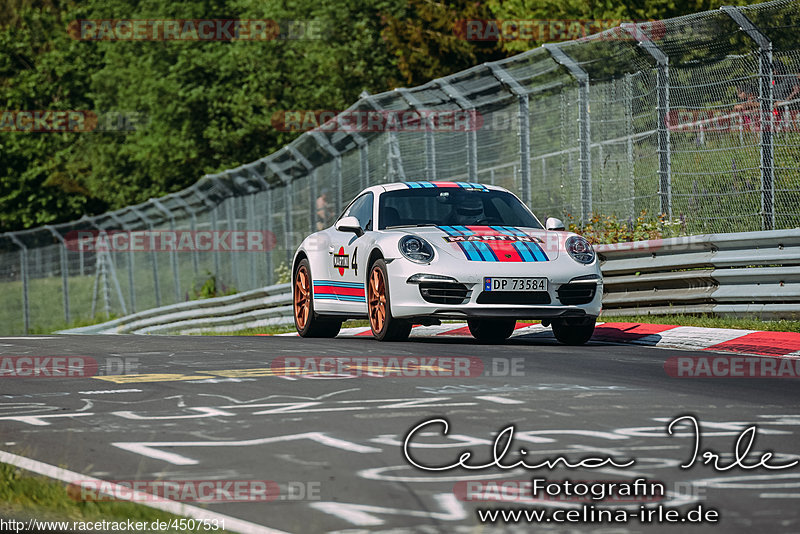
524,131
23,266
472,132
766,104
584,127
662,91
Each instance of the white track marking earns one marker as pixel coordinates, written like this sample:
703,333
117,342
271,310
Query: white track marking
103,391
499,400
145,499
697,338
365,515
148,448
39,420
203,412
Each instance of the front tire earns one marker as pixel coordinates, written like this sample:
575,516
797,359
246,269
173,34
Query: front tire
306,321
491,330
574,331
384,326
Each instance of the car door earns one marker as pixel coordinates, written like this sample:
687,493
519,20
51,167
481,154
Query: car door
347,254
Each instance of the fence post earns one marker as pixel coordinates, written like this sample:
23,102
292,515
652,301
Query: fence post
310,172
766,103
129,255
231,223
524,132
312,200
104,259
472,132
323,142
154,260
270,273
662,92
212,208
173,255
288,225
363,159
23,266
584,133
430,146
64,274
252,211
192,225
629,144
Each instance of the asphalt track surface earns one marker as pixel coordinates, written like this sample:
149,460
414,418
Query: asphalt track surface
339,438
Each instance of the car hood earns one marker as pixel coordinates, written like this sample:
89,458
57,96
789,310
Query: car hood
491,243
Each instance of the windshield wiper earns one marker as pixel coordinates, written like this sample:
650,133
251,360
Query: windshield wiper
410,225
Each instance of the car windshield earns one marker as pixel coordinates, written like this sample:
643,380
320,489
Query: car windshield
450,206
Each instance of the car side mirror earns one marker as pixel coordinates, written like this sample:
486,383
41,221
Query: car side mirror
349,224
553,224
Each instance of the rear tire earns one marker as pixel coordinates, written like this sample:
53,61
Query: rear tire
306,321
491,330
575,331
384,326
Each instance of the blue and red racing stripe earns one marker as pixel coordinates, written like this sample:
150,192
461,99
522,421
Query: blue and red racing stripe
429,185
491,250
336,290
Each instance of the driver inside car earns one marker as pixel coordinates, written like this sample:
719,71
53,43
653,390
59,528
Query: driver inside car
467,210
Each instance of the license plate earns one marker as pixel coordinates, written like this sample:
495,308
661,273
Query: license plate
514,284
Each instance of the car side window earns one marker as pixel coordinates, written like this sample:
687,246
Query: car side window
361,209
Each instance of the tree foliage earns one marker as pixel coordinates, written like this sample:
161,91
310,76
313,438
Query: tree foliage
208,105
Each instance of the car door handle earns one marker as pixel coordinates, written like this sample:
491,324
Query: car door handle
330,250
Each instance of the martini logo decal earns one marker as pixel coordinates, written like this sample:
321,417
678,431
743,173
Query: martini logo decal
341,261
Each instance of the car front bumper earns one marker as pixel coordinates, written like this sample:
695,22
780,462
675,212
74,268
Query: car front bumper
407,299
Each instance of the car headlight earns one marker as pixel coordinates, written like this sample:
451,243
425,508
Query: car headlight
415,249
580,249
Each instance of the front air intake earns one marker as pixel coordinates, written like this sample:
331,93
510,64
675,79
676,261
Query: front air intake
444,292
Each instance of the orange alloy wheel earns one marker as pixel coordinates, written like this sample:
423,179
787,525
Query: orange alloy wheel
302,297
377,300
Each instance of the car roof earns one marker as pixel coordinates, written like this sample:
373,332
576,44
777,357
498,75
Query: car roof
436,184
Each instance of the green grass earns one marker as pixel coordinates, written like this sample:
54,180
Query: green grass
25,496
709,321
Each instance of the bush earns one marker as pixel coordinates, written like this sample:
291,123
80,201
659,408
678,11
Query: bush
609,229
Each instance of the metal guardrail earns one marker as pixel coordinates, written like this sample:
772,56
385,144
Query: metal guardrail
742,274
752,274
251,309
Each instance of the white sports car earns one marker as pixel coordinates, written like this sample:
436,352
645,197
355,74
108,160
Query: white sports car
419,252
